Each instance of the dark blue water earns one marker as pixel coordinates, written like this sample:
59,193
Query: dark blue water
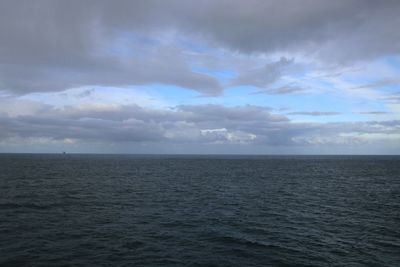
85,210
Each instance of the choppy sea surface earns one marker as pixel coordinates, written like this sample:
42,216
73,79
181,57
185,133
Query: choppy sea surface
120,210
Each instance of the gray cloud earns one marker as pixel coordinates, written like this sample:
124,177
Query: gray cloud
314,113
189,125
86,93
374,112
52,45
263,76
393,98
379,84
132,123
363,27
282,90
289,89
155,68
49,46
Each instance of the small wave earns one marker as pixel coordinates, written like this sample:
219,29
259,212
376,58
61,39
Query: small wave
232,240
12,205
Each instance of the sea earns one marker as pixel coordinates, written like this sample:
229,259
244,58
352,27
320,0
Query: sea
189,210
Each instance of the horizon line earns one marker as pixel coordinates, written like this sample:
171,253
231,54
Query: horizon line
188,154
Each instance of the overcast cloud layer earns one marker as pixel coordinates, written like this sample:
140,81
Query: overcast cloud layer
254,76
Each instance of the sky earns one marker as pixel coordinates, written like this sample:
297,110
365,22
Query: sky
200,77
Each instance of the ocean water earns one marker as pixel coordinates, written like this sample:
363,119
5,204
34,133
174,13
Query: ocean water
106,210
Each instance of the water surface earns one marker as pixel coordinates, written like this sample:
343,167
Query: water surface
106,210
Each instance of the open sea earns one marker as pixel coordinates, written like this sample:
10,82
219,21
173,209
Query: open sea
124,210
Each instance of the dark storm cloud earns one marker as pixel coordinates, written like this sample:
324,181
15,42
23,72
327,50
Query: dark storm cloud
51,45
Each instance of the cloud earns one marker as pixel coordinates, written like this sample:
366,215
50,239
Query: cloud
53,45
282,90
374,112
131,123
392,98
192,125
212,112
314,113
278,47
86,93
379,84
155,68
263,76
222,135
